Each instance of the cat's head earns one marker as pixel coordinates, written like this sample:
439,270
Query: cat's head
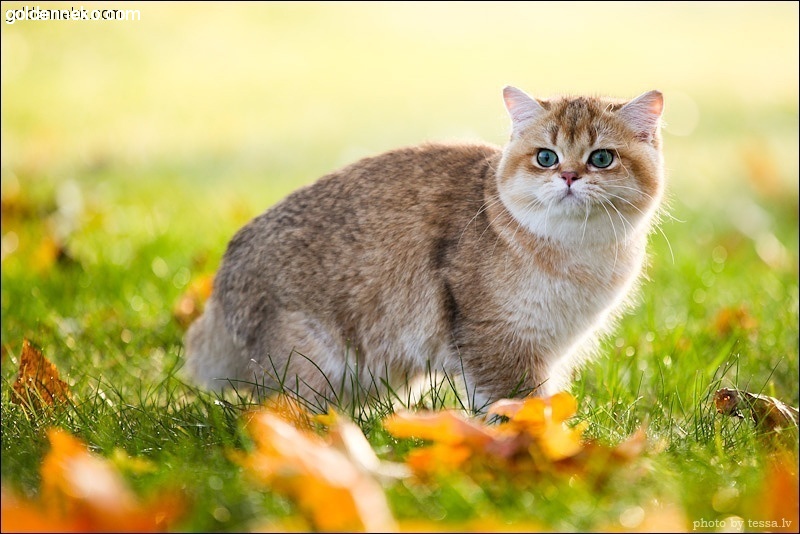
582,169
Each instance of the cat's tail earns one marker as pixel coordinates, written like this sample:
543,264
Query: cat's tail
212,358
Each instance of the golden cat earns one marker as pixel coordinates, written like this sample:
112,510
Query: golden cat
500,265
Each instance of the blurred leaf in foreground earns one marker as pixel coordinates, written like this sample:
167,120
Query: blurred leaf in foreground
534,437
38,382
333,492
778,509
82,492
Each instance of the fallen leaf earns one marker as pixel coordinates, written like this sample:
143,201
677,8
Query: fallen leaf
445,426
288,408
732,319
347,437
20,515
38,382
767,412
778,508
533,438
82,492
332,491
190,304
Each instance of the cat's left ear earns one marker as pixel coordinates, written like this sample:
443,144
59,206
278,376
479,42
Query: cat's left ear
643,114
522,108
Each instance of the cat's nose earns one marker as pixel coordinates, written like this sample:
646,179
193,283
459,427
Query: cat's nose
569,177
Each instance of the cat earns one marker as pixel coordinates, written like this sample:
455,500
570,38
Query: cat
502,266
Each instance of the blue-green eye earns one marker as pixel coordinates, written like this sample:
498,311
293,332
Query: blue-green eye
601,158
546,158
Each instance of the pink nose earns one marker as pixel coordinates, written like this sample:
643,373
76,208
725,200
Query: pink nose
569,177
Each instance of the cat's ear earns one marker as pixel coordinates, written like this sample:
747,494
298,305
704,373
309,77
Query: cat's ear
643,114
522,108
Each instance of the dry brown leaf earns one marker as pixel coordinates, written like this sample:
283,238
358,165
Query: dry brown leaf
333,492
767,412
82,492
190,305
38,382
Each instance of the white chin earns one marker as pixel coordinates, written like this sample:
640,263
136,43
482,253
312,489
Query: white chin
571,221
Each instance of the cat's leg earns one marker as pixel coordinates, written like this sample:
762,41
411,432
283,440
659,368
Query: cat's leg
491,376
212,358
302,356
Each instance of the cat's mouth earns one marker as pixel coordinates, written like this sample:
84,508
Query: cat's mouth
570,195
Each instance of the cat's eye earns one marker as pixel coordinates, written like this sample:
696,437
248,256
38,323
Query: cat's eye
601,158
546,158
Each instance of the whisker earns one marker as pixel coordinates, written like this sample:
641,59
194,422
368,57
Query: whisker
486,205
657,227
613,229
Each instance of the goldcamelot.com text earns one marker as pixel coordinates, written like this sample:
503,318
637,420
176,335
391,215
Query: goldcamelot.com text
36,13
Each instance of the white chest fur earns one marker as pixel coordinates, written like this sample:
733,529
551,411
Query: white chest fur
555,310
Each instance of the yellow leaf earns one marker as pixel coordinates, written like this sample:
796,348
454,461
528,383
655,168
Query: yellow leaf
38,382
559,442
563,406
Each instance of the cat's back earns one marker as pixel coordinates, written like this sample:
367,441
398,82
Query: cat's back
367,225
400,195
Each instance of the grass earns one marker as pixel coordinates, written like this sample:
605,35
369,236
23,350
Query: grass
145,161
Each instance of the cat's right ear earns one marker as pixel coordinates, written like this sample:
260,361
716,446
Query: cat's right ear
643,114
522,108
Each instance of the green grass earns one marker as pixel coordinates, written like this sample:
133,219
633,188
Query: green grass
148,148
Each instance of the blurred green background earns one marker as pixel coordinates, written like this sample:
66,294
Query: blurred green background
284,91
147,143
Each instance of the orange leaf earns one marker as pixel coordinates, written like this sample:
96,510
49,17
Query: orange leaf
535,414
190,304
778,510
438,458
290,410
88,493
334,493
729,320
19,515
559,442
443,427
38,381
346,437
